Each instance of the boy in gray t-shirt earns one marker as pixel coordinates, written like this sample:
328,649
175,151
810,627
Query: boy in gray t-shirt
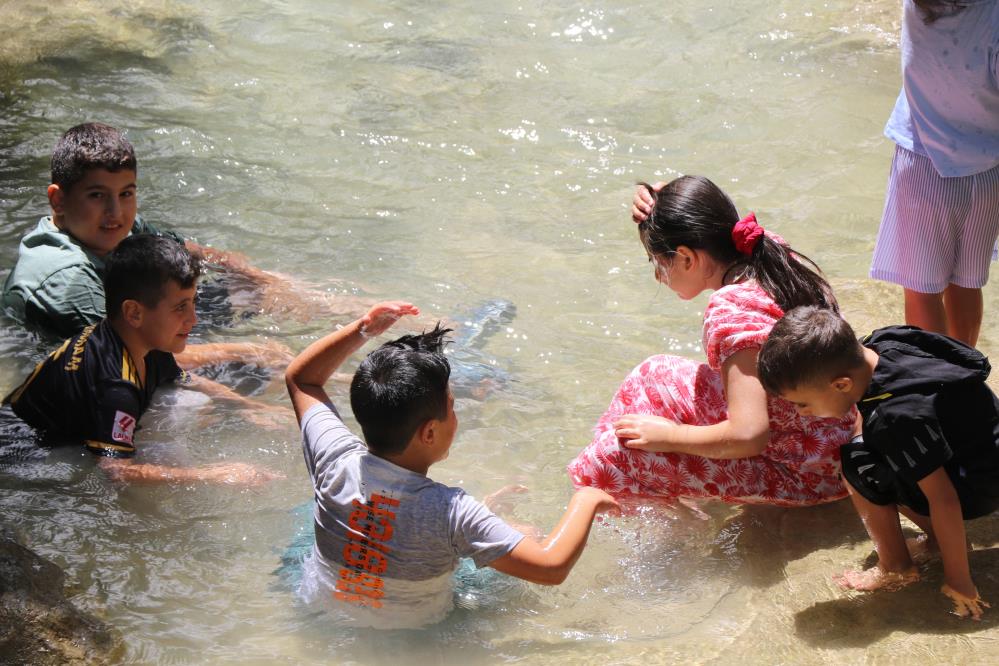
387,537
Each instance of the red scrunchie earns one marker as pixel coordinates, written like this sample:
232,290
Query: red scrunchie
746,234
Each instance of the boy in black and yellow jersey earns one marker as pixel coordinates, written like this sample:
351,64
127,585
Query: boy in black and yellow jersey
97,385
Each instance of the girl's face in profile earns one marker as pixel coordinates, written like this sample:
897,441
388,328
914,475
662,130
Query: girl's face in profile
675,271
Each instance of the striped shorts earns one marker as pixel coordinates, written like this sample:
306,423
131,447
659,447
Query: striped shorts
936,231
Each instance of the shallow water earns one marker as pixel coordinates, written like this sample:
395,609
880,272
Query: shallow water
451,158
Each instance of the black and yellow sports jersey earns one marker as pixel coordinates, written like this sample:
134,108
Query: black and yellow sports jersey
89,389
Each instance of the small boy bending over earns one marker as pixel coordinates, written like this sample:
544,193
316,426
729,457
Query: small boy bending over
929,447
97,384
387,537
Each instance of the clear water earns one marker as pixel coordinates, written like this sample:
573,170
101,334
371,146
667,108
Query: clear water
449,154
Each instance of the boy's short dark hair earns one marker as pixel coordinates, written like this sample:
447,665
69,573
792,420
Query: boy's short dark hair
140,267
808,345
90,146
399,387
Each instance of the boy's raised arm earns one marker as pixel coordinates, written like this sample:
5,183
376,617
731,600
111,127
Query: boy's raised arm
550,561
309,371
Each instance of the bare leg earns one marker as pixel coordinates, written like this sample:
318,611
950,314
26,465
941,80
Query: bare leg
894,568
964,313
922,549
922,522
925,311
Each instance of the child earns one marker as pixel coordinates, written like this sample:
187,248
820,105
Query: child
941,215
96,386
387,537
678,428
930,442
57,285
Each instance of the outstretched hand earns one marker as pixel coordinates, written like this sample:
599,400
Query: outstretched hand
382,316
268,354
239,474
965,606
644,432
271,417
641,205
603,502
501,500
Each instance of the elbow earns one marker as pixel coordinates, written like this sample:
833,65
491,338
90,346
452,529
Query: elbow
291,380
750,443
555,575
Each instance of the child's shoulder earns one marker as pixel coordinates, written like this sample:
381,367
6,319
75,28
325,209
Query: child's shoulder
450,501
54,283
46,242
742,297
45,251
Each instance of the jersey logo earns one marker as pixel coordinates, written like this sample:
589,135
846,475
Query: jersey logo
124,426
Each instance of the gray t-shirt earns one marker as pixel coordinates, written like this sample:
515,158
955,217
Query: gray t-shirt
388,539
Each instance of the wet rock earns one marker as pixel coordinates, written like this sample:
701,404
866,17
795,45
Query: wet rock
38,626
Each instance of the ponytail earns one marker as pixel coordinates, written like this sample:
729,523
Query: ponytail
693,211
789,277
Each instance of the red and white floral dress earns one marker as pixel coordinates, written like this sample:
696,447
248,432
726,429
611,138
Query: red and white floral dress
800,465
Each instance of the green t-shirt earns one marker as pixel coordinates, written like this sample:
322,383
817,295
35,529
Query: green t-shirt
57,284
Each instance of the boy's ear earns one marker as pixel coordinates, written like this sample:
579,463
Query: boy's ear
426,432
56,198
132,312
842,384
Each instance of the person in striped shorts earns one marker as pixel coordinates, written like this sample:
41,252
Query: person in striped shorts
941,216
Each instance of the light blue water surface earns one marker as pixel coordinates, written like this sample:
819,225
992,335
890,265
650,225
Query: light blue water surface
452,154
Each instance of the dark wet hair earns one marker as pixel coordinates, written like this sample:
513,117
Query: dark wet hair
90,146
693,211
935,9
807,346
140,267
399,387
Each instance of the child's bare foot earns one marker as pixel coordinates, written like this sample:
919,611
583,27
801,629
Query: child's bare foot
876,578
922,549
965,606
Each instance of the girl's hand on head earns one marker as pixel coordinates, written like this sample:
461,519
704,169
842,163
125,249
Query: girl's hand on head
641,205
382,316
645,432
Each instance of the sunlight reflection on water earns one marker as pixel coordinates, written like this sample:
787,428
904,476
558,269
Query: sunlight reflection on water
455,158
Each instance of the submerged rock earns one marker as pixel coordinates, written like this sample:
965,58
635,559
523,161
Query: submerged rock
37,624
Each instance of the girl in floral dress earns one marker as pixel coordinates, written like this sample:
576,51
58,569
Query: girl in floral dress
679,428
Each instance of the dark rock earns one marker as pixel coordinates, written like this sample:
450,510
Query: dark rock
38,626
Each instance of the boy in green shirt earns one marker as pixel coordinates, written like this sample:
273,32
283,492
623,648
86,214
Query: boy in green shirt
57,282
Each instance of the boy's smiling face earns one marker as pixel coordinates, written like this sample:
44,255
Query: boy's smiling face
98,211
166,326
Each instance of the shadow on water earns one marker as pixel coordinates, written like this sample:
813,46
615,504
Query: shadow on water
762,540
860,620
